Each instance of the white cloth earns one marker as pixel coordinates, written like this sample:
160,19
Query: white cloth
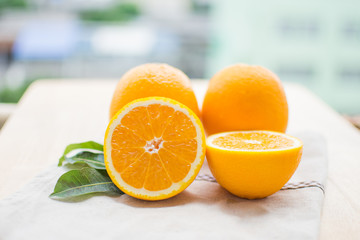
203,211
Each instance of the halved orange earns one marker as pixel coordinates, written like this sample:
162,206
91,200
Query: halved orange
253,164
154,148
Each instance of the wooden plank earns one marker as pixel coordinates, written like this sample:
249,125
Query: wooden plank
341,211
6,109
51,115
55,113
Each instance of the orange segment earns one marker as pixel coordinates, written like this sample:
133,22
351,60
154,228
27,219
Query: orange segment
138,121
186,148
125,157
176,167
125,138
156,178
179,127
135,173
154,148
159,117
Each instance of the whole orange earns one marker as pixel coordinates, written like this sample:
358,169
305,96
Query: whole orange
244,97
153,80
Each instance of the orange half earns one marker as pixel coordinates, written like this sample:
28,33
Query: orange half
154,148
253,164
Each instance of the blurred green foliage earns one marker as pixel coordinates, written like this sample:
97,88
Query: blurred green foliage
12,4
200,7
118,13
13,95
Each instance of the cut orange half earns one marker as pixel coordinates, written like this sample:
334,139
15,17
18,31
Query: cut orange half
154,148
253,164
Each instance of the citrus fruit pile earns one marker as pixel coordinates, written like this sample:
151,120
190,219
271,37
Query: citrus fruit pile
155,142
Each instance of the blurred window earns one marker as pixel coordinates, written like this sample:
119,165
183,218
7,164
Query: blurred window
299,28
350,75
292,73
351,31
39,40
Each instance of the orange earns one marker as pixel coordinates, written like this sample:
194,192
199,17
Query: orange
244,97
153,80
253,164
154,148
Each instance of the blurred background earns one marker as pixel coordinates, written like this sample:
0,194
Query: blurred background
314,43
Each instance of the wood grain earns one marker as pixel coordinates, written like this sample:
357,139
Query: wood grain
54,113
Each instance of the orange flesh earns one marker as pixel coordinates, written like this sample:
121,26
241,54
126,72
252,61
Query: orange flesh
253,141
153,147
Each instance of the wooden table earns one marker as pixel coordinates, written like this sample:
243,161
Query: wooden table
55,113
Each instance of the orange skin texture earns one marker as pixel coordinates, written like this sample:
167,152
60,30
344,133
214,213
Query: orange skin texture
153,80
244,97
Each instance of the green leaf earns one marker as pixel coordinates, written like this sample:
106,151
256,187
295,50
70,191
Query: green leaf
84,145
94,160
76,183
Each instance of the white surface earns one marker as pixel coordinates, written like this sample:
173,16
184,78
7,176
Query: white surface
203,211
